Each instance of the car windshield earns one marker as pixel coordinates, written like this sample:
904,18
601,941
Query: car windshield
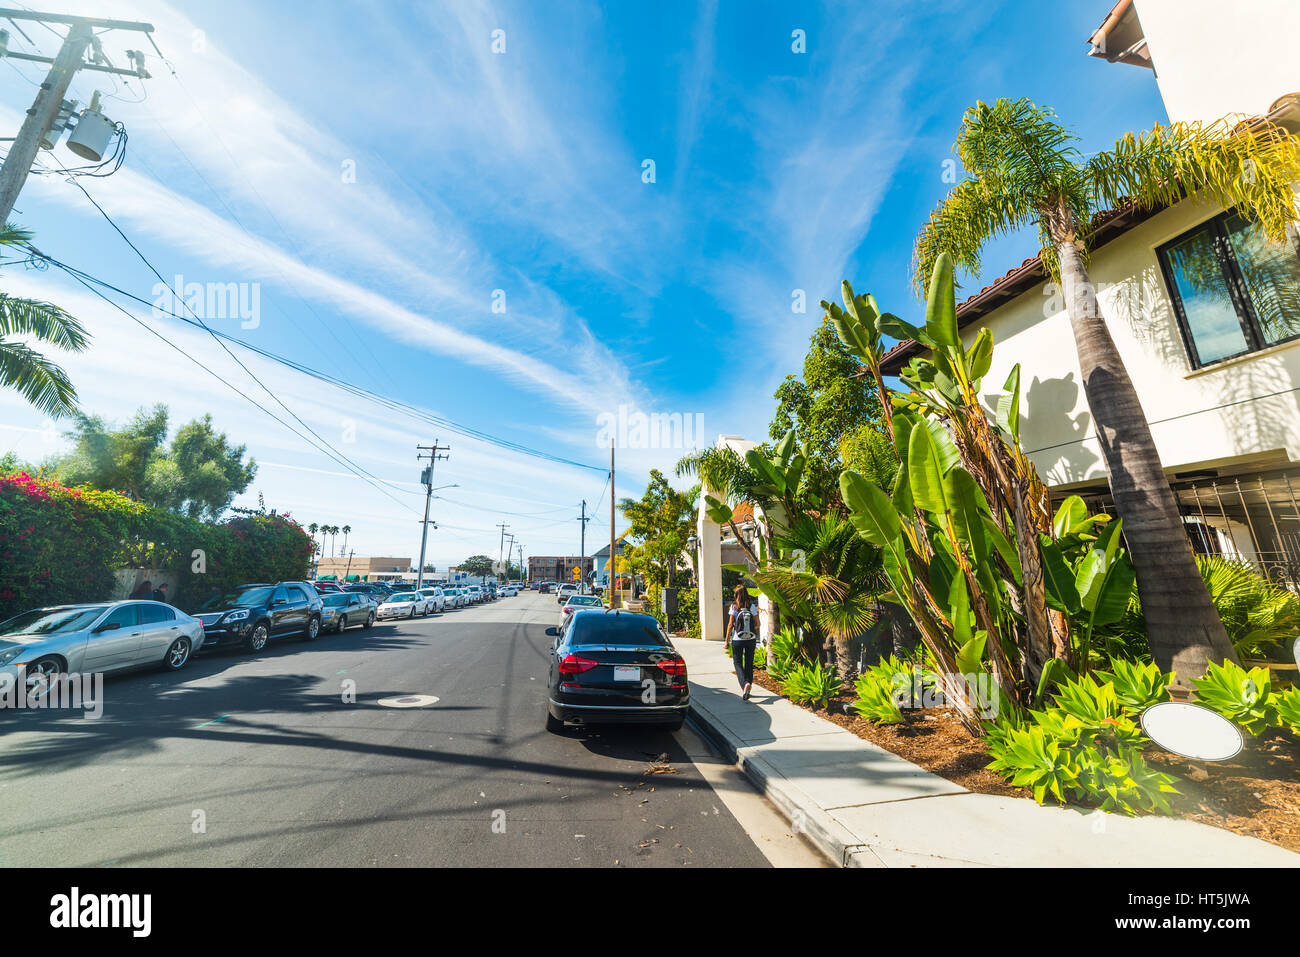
404,596
583,600
335,601
50,621
239,597
614,630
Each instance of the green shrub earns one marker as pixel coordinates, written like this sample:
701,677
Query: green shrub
1287,706
760,657
875,700
1244,697
1257,614
809,683
1138,685
1084,749
61,545
783,652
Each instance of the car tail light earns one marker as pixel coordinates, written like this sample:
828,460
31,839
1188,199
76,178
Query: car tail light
675,666
573,665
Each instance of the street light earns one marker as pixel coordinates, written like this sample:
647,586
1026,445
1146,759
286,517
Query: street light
425,523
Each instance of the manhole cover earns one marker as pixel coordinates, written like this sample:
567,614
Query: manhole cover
409,701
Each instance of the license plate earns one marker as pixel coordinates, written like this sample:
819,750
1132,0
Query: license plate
627,674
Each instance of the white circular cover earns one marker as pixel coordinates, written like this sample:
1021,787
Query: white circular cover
409,701
1192,730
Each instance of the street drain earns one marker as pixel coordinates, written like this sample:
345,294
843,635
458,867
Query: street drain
409,701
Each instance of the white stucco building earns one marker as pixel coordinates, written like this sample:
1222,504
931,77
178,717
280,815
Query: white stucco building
1205,312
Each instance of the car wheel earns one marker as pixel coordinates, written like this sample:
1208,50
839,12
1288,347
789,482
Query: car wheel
178,655
412,614
370,622
313,629
343,623
41,674
553,724
256,641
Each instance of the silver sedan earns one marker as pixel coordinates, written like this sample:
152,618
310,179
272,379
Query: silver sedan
96,638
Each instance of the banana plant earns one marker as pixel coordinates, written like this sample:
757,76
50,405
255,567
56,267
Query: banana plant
969,480
1089,575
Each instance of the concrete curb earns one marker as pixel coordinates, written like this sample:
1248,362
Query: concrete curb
807,817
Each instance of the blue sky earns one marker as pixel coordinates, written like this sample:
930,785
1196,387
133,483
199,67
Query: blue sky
520,172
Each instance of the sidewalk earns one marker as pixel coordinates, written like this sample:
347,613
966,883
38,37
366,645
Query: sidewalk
866,807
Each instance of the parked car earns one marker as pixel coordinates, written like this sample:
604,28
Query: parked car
375,590
253,614
544,588
402,604
602,665
96,638
577,602
565,592
344,609
327,587
437,600
475,594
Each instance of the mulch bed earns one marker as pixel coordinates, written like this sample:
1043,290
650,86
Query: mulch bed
1256,794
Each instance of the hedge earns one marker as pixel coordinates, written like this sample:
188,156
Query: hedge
60,545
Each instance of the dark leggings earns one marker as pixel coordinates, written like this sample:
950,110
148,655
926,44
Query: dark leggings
742,653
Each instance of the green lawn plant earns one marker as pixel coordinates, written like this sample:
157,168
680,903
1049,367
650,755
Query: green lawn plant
811,683
1085,748
1243,697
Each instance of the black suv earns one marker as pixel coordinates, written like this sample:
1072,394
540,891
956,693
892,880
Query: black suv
252,614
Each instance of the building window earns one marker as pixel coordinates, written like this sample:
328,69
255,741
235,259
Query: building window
1233,291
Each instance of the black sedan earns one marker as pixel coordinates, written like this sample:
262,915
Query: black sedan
614,666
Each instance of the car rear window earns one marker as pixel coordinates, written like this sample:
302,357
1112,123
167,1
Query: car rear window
634,630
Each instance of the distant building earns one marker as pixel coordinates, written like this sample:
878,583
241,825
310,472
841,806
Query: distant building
558,568
362,568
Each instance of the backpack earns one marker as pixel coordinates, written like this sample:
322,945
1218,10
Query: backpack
743,629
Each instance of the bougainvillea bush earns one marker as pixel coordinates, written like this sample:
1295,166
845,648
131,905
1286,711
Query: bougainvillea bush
61,545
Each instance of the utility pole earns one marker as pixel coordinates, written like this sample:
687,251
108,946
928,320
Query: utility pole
502,547
613,565
582,550
50,96
432,453
523,575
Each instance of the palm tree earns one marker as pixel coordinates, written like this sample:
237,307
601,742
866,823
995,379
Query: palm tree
334,530
346,529
313,528
1024,170
40,381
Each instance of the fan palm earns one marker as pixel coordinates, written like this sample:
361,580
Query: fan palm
1025,170
41,382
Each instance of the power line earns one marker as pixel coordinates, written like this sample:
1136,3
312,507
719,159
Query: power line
231,386
390,403
324,445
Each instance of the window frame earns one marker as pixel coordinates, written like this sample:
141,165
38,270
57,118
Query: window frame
1238,292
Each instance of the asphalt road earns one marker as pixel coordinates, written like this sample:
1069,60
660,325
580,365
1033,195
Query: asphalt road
260,761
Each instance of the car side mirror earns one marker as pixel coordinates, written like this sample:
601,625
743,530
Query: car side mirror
552,632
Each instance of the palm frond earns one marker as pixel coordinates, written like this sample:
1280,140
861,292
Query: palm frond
973,212
1226,165
37,379
43,320
11,235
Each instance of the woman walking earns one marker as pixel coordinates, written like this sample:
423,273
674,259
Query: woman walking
742,632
